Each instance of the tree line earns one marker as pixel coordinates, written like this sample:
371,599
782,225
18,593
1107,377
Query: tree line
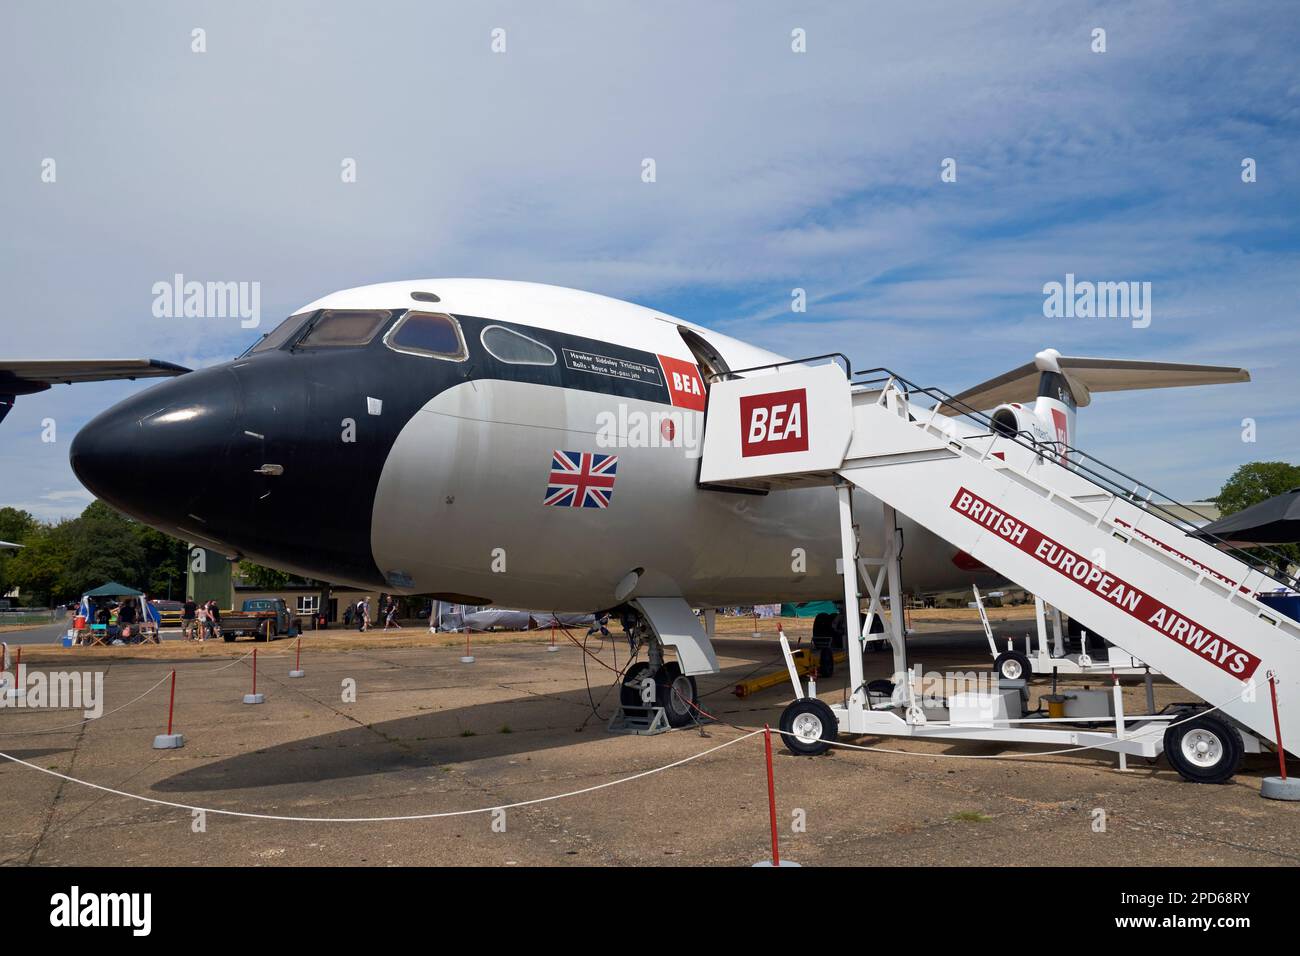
62,560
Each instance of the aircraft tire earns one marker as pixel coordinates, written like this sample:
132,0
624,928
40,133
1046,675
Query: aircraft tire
671,682
825,663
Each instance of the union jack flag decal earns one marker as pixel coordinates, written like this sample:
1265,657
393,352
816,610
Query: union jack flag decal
581,479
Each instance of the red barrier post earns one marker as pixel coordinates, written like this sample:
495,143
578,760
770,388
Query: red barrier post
771,793
255,697
169,740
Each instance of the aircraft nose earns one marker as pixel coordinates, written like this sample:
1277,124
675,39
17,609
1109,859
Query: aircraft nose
154,454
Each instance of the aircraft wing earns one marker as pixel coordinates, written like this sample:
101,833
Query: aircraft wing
29,376
25,377
1088,375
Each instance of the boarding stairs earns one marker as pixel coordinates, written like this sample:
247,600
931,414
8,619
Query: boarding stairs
1087,539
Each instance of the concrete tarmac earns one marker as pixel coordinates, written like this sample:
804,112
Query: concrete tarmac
427,734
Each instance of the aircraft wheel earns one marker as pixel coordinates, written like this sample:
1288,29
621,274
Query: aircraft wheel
677,694
1012,665
825,663
630,696
1205,749
807,727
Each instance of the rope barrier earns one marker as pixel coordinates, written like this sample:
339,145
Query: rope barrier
914,753
386,819
63,727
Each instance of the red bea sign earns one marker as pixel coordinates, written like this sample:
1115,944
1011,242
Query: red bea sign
684,383
774,423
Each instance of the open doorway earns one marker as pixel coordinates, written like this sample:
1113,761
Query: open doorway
712,365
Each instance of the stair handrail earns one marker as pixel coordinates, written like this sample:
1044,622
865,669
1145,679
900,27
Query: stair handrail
1076,458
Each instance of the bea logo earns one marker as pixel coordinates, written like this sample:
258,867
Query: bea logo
684,383
774,423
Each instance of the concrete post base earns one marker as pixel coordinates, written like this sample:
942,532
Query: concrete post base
254,698
168,741
1275,788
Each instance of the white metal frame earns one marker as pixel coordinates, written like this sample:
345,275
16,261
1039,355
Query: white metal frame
1143,736
1052,660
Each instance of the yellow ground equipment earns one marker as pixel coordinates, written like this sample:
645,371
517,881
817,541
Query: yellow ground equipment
804,660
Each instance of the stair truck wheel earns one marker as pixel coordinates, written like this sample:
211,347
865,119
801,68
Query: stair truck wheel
1205,749
228,638
630,696
808,726
1012,665
678,695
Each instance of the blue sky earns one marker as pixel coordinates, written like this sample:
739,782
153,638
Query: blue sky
775,170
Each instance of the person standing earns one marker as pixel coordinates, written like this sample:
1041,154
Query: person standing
189,615
201,621
214,618
390,615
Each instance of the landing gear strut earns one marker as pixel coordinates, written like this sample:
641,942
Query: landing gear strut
654,684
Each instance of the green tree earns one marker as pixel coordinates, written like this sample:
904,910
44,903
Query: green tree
163,570
269,579
60,562
1257,481
15,526
36,569
1254,482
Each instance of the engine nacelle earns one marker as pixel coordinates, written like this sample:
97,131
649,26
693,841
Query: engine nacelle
1015,418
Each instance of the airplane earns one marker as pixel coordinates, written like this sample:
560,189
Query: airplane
520,445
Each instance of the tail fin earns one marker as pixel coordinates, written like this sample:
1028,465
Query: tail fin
1056,385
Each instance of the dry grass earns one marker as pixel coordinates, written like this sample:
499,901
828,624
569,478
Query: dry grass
340,639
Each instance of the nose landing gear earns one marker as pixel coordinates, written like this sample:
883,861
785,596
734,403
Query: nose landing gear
656,695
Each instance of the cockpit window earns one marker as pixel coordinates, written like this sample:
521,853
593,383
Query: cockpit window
336,328
428,333
515,348
282,333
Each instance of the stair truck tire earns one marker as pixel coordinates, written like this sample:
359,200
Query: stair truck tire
807,727
1012,665
677,695
1205,749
